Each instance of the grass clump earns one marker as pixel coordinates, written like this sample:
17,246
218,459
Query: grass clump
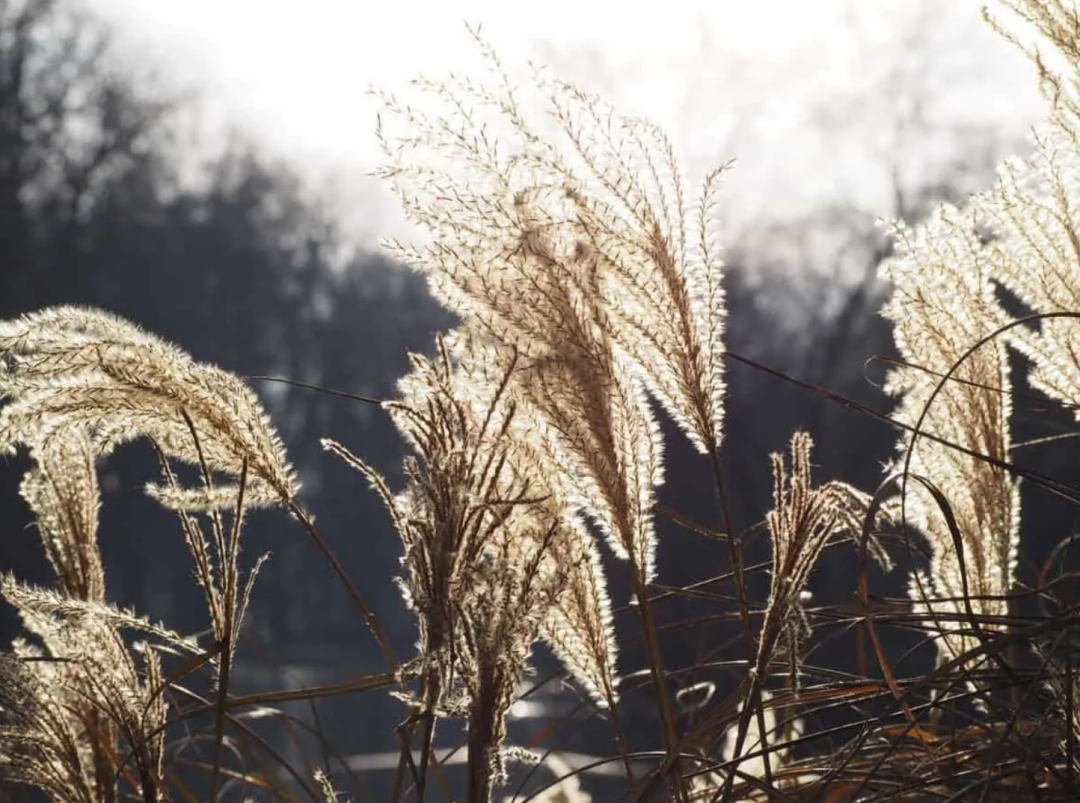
587,279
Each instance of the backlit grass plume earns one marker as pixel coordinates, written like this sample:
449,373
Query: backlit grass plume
578,624
577,248
803,521
80,716
84,718
78,383
1023,235
70,369
491,564
942,304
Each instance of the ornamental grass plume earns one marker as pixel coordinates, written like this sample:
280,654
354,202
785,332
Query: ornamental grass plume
801,524
62,491
79,382
67,369
83,717
492,566
80,717
1020,237
579,251
576,252
943,303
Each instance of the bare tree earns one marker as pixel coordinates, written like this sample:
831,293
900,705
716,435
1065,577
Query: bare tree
69,118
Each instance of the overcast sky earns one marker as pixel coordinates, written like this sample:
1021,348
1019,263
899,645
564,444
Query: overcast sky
814,98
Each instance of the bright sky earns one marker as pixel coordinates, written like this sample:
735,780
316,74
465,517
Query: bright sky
789,87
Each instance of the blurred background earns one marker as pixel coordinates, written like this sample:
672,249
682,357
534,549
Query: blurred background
201,168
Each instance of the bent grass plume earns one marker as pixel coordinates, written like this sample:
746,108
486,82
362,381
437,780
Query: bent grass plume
78,383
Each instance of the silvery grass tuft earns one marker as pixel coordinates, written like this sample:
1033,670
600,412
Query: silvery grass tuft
493,562
576,256
943,302
1020,236
80,382
581,253
82,708
82,720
